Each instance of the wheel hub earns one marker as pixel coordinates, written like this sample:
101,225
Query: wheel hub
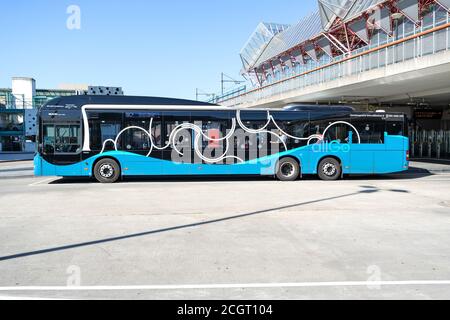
106,171
329,169
287,170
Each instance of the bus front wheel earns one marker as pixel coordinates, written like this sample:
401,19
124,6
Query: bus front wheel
288,169
329,169
107,171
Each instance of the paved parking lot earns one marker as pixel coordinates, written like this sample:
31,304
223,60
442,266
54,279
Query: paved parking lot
233,238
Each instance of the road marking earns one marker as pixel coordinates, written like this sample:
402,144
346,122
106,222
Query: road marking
41,182
234,286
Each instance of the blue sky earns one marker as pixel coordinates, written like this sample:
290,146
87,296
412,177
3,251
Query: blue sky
148,47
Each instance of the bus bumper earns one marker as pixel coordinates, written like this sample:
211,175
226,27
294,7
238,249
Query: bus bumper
38,166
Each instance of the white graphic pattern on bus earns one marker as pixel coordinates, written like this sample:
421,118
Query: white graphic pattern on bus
199,133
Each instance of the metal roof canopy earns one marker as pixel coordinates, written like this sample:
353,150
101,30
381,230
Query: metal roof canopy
325,44
359,27
410,8
306,29
258,42
339,26
266,44
361,6
345,10
444,3
330,10
382,19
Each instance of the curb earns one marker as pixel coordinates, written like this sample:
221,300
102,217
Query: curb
17,177
14,161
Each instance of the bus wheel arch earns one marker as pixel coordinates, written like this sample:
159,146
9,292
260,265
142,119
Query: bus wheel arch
288,168
330,168
107,169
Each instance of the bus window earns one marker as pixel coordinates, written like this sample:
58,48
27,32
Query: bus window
135,138
214,125
395,128
49,139
370,130
339,133
324,123
104,126
156,132
67,139
138,140
172,121
254,120
295,124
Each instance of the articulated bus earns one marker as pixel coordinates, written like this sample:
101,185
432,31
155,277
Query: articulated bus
110,138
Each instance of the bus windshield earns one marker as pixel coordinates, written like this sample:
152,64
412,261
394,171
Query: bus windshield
64,138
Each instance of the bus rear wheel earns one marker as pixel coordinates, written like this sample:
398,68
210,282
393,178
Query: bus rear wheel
288,169
107,171
329,169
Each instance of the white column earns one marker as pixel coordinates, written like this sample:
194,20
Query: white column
23,90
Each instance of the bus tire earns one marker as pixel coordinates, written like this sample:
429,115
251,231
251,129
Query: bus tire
288,169
329,169
107,171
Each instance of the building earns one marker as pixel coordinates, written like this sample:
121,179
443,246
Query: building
392,55
19,105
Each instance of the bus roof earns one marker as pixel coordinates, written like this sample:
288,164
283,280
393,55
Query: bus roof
116,102
81,100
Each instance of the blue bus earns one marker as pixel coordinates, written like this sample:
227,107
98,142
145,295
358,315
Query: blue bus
113,137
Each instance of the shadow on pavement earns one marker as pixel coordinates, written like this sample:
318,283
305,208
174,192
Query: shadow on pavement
413,173
126,180
365,190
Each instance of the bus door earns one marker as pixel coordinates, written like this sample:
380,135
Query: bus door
396,143
178,155
61,148
215,125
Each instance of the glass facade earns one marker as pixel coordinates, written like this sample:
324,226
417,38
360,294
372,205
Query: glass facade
12,120
9,101
11,143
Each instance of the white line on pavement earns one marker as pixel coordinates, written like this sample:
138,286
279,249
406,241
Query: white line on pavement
41,182
234,286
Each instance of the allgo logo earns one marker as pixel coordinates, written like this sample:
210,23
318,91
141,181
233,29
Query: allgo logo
334,146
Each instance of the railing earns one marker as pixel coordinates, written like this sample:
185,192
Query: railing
9,102
430,144
424,43
230,94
